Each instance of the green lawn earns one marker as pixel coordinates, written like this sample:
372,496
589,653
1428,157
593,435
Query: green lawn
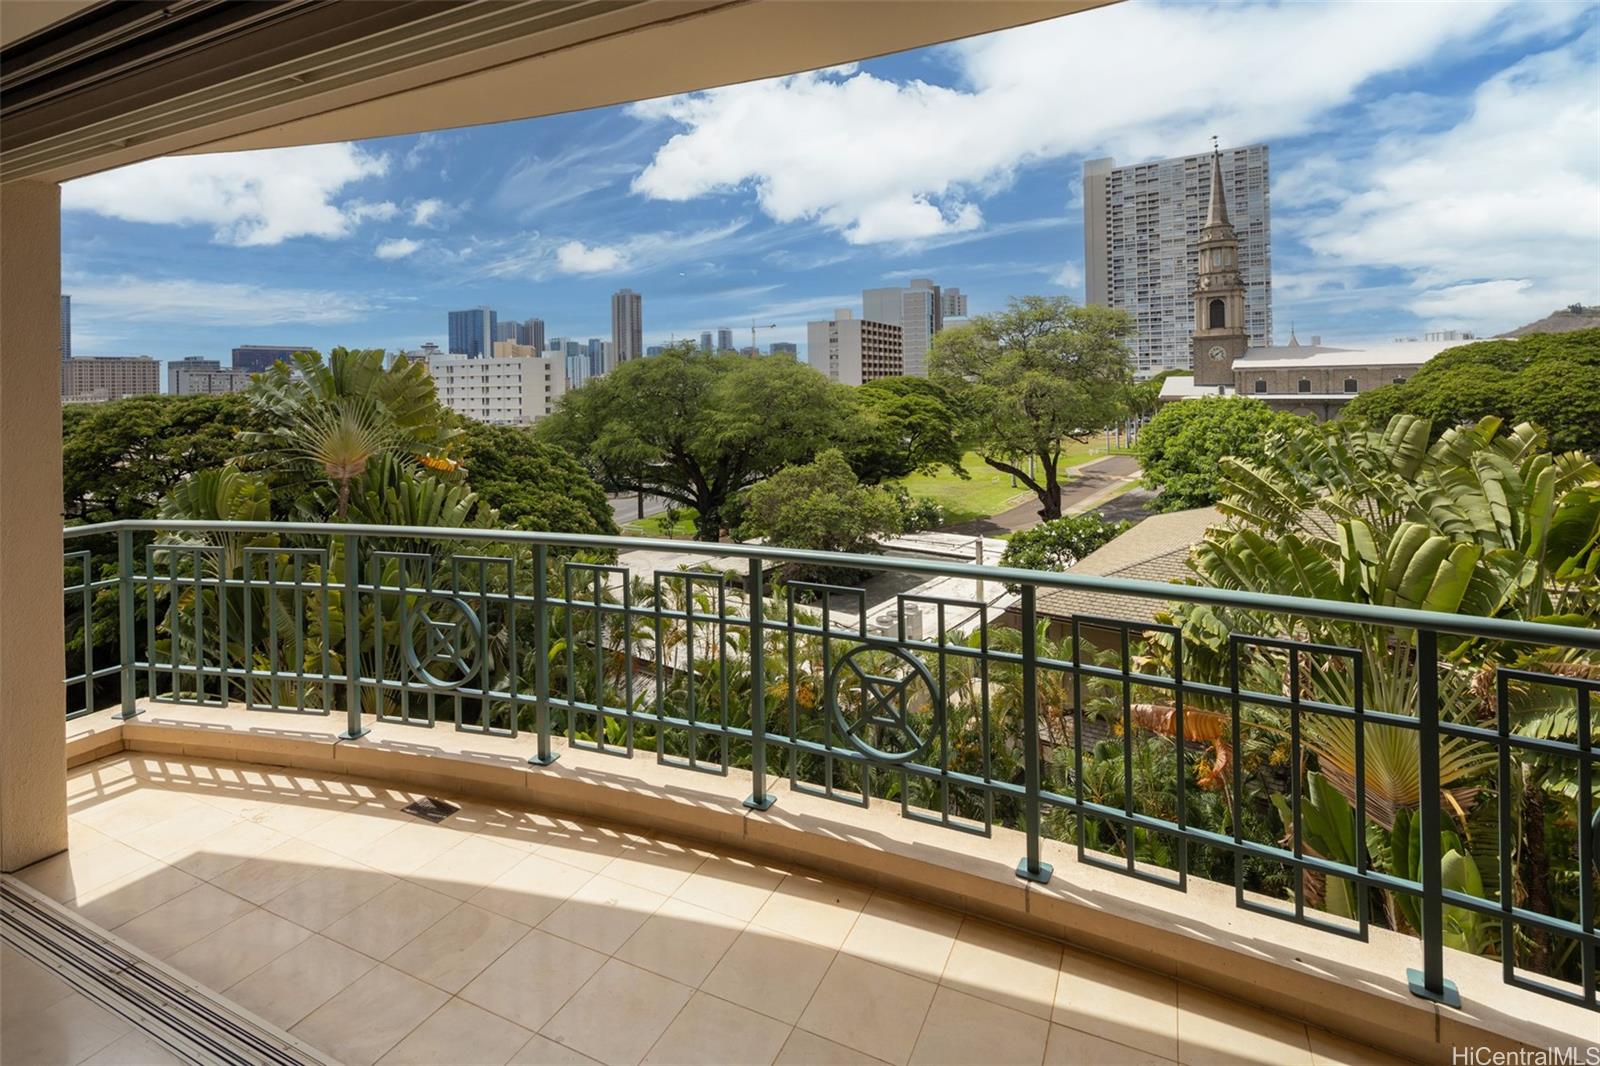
656,525
987,491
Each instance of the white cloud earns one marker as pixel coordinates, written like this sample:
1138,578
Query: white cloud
878,160
195,302
396,248
1070,276
428,212
1493,220
575,257
248,198
361,211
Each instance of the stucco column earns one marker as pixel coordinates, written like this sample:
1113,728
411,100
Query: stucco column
33,762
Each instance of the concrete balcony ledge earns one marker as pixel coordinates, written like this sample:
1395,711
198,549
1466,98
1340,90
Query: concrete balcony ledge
1357,990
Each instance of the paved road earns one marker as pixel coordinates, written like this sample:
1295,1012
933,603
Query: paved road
625,507
1086,481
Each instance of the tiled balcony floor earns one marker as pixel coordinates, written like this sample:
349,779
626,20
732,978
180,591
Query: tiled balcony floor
507,935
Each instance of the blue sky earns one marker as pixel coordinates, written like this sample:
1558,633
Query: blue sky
1433,165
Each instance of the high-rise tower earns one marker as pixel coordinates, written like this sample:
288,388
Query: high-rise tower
627,325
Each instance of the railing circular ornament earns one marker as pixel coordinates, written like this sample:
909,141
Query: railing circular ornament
452,641
885,702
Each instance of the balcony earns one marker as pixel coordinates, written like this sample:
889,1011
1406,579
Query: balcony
947,847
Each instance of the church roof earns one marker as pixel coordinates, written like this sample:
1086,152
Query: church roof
1303,356
1217,212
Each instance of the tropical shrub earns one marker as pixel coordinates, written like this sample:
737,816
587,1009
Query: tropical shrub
1181,449
1061,542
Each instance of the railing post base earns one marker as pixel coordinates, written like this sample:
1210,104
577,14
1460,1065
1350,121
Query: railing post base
1450,995
1038,877
761,803
545,759
124,715
354,734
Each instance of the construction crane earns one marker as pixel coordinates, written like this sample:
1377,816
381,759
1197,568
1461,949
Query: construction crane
753,328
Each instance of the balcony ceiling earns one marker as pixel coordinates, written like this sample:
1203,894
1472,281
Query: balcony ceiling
91,86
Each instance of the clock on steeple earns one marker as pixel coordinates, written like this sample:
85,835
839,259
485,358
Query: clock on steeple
1219,334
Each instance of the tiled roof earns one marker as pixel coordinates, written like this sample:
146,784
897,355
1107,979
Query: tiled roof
1156,549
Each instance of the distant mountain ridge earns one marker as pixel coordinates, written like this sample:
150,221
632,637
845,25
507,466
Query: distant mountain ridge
1575,316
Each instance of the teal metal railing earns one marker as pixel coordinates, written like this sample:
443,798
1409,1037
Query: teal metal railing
1329,756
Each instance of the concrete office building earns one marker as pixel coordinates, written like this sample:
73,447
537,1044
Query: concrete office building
705,341
508,331
655,349
854,350
627,325
724,339
953,303
473,332
96,379
198,363
531,333
917,309
515,385
784,348
1140,226
187,382
258,357
66,326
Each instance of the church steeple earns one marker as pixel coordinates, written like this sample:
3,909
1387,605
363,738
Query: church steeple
1219,333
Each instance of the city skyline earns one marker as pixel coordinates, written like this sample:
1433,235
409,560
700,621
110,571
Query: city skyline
1476,108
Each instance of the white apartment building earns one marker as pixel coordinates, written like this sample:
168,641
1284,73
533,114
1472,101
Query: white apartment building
1141,225
918,310
853,350
516,387
187,381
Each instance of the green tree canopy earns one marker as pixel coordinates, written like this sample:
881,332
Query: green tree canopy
1060,542
1181,448
1549,379
119,459
820,505
1033,376
533,485
903,426
697,429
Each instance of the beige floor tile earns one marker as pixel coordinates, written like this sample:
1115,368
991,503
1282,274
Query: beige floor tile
809,1049
681,941
1215,1030
770,972
1004,966
74,872
408,848
263,876
135,809
1069,1047
815,909
465,869
603,914
458,947
300,980
533,979
869,1007
351,832
658,865
29,988
328,895
391,919
173,838
462,1034
133,1049
122,900
963,1029
619,1014
732,886
531,889
69,1031
710,1030
1330,1050
360,1024
222,851
174,925
284,814
237,950
1118,1003
905,935
542,1051
579,844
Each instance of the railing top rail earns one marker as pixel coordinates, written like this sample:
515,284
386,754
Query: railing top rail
1368,614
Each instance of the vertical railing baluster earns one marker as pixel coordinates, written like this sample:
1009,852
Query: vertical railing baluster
1031,868
352,640
759,799
1429,982
541,654
125,637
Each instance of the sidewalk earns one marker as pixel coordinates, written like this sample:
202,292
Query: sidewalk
1088,483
